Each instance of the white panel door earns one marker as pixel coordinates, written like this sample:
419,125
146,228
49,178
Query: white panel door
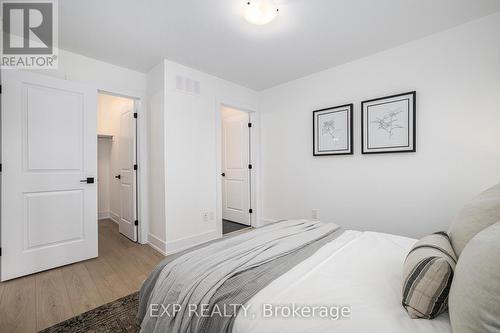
126,158
49,149
235,171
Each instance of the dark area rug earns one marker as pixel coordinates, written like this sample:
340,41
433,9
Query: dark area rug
118,316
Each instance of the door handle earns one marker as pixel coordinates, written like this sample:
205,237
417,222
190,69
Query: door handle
118,176
88,180
223,174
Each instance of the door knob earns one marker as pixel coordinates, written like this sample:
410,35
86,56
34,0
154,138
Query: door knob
118,177
89,180
223,174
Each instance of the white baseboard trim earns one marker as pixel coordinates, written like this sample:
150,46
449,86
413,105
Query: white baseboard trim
157,244
187,242
114,217
102,215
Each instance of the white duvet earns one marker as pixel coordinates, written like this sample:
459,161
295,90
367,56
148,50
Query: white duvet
359,272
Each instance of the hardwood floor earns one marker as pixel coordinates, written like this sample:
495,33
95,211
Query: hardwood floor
37,301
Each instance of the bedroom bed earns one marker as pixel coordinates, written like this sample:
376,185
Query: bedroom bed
360,270
354,276
311,276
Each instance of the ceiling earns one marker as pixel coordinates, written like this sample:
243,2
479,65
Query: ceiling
211,35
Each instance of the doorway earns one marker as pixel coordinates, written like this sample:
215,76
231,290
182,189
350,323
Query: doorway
117,162
236,169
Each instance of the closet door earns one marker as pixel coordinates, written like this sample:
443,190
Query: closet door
49,152
127,160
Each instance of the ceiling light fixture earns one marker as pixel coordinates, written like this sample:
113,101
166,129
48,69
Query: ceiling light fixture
260,12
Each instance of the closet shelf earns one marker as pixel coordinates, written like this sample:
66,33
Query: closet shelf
105,136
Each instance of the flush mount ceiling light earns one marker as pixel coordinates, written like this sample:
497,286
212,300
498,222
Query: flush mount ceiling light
260,11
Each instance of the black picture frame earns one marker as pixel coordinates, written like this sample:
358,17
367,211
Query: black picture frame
349,136
411,147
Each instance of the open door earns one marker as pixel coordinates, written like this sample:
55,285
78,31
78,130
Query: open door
127,176
235,166
49,152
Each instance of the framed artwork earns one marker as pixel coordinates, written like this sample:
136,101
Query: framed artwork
389,124
333,131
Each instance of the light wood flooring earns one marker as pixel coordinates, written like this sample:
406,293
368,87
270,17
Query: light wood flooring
37,301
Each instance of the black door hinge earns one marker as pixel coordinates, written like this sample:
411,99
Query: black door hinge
0,88
0,251
250,210
249,124
135,166
0,167
249,166
135,115
136,222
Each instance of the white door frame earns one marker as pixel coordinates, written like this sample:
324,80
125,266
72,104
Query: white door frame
236,119
142,159
255,197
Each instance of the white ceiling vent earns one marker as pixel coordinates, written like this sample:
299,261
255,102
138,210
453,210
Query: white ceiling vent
187,85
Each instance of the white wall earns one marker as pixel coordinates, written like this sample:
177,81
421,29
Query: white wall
104,76
156,129
456,74
457,78
181,130
190,153
109,110
226,113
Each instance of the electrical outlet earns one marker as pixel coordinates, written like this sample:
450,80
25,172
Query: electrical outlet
205,217
314,214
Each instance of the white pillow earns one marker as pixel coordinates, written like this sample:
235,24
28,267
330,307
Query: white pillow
478,214
474,300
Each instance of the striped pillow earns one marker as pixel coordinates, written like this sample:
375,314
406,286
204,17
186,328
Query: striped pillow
427,274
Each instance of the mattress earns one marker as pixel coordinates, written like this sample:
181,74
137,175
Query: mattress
352,284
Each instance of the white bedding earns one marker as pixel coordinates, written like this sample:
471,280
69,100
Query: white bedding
360,270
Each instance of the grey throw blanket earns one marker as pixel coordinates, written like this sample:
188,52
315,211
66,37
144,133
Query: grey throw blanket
229,271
